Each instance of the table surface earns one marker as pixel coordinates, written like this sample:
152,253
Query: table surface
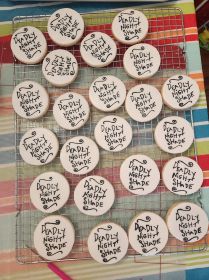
160,267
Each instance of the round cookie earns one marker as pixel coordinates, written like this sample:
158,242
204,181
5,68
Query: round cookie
49,192
107,93
38,146
28,45
113,133
180,92
79,155
174,135
60,67
143,103
30,100
141,61
71,110
182,175
54,237
130,26
98,49
187,222
148,233
65,27
139,174
108,243
94,195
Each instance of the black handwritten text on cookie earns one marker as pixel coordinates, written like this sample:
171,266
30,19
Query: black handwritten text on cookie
60,66
98,48
29,100
54,237
147,235
142,60
129,25
107,243
174,134
182,91
28,43
188,224
94,195
66,25
182,176
113,133
138,174
79,155
49,192
38,146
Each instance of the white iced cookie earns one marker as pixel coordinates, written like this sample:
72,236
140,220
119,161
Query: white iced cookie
107,93
28,45
141,61
79,155
94,195
108,243
187,222
60,67
30,100
71,110
130,26
98,49
182,175
65,27
143,103
139,174
113,133
49,192
38,146
54,237
180,92
174,135
148,233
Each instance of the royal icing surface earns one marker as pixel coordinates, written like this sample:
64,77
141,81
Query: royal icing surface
113,133
107,93
148,234
174,135
79,155
182,175
38,146
94,195
65,27
54,237
49,192
143,103
130,26
108,243
30,100
139,174
60,67
71,110
141,61
28,45
180,92
187,222
98,49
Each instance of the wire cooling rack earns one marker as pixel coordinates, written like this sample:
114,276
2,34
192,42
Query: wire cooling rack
171,44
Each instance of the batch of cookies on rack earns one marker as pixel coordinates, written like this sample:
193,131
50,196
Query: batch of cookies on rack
108,242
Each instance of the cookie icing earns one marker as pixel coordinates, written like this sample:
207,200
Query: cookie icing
113,133
94,195
79,155
71,110
38,146
148,233
108,243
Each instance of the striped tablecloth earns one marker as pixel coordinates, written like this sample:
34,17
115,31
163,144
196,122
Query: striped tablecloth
165,267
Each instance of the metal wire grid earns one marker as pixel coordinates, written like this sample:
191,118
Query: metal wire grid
173,62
